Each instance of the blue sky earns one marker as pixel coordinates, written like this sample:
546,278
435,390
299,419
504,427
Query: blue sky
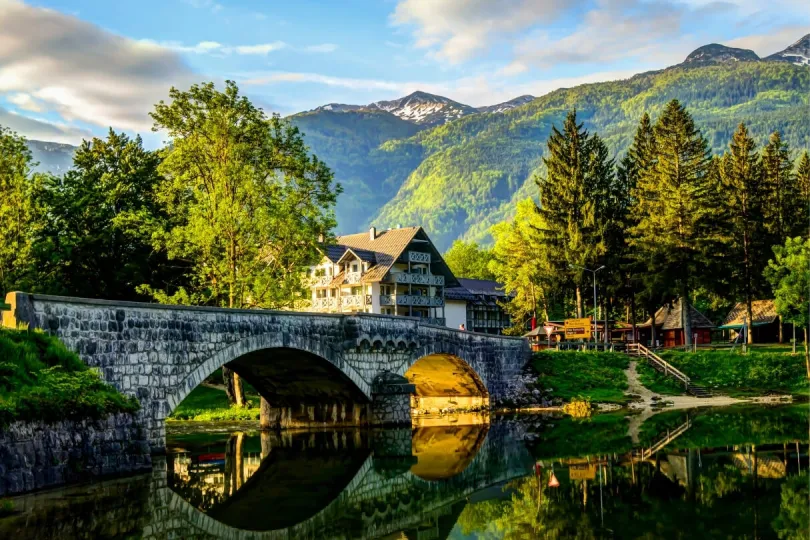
71,69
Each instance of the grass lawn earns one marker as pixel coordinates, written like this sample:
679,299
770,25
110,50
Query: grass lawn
736,374
211,404
657,382
598,376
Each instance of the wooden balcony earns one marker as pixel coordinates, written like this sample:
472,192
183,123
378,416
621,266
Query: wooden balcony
410,300
418,257
404,278
320,281
353,277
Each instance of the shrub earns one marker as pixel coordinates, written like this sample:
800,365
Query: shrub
40,379
578,408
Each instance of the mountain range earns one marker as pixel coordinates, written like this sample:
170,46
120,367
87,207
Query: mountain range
457,169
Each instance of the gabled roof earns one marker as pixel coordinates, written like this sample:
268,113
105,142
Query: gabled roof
362,254
764,312
388,246
669,317
486,287
334,253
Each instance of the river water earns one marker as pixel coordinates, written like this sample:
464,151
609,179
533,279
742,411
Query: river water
739,472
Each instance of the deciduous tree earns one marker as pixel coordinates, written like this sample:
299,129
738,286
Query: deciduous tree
468,260
245,200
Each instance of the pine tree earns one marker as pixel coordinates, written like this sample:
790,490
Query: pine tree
782,206
567,212
639,160
803,181
676,203
742,176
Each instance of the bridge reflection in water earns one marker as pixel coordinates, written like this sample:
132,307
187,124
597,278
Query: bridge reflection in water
349,483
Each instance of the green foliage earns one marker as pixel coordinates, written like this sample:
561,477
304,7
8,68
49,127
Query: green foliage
205,403
245,203
788,275
572,437
41,380
785,204
20,218
754,372
468,260
596,376
521,266
794,510
96,242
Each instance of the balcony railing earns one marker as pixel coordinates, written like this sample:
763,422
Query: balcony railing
320,281
406,278
410,300
353,277
418,257
438,321
329,302
354,300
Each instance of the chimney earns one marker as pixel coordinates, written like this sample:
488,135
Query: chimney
372,233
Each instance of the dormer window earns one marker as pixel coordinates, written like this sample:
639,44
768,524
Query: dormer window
355,267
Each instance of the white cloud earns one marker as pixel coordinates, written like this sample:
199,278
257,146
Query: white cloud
323,48
770,43
343,82
82,72
613,31
458,29
203,47
41,129
26,102
260,49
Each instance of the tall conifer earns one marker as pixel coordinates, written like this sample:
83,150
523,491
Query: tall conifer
675,204
803,180
782,205
742,177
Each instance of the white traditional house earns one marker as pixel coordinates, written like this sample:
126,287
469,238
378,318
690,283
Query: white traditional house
393,272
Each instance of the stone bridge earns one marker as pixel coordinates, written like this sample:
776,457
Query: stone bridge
314,369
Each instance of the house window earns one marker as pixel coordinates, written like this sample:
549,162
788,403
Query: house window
355,267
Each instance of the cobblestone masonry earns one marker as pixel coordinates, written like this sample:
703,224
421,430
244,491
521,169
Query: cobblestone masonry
34,455
160,353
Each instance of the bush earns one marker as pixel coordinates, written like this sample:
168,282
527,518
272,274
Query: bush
754,372
40,379
595,376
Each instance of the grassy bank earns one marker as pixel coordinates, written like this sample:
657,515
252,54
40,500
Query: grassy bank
40,379
755,373
597,376
208,403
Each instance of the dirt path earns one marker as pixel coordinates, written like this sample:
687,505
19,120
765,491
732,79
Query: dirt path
634,386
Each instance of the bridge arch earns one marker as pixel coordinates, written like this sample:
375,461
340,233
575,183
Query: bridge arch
444,380
249,358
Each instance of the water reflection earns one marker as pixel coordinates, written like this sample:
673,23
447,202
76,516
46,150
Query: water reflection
718,473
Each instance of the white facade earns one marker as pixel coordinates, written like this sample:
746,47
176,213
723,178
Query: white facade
455,311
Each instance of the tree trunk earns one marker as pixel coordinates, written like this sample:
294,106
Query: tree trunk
580,309
264,414
633,315
686,316
652,327
781,330
749,311
233,387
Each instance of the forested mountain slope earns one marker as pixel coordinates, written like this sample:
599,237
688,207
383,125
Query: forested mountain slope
470,171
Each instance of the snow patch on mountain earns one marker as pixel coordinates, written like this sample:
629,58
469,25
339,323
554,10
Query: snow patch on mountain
798,53
506,105
425,109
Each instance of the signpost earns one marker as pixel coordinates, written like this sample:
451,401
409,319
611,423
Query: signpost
578,328
549,329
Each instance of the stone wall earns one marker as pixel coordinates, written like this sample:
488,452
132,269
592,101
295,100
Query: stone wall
34,455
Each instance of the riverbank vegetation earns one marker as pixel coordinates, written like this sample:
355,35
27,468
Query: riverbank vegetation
591,376
739,375
209,402
40,379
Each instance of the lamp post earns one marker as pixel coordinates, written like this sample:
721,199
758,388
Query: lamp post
594,294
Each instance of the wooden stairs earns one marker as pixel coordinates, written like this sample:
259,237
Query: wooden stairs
640,351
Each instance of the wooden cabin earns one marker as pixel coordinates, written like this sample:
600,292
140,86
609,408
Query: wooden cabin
766,325
669,327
